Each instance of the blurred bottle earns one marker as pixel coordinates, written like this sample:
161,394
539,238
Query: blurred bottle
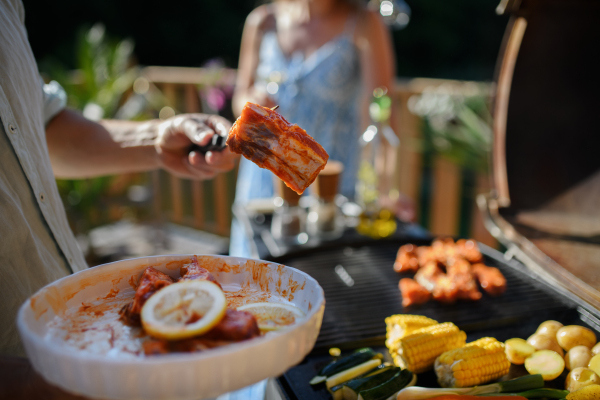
375,221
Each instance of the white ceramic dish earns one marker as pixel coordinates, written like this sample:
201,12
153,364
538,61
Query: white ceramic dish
175,376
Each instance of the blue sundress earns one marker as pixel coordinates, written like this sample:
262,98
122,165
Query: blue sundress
321,94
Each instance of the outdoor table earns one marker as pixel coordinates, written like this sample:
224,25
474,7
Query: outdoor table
264,246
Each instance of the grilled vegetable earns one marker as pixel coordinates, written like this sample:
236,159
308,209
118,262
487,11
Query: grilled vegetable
594,364
549,328
581,377
418,351
575,335
545,362
469,397
596,349
478,362
351,373
401,325
387,389
517,350
533,394
336,391
351,389
528,382
543,342
578,356
591,392
354,359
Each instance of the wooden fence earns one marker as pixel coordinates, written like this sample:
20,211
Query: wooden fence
207,205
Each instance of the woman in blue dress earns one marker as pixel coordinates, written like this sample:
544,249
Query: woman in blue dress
320,61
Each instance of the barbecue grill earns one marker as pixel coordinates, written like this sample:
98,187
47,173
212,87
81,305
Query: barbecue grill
544,206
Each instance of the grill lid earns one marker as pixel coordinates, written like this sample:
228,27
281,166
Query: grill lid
545,206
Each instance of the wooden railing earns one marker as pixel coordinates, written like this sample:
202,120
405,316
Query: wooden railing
207,205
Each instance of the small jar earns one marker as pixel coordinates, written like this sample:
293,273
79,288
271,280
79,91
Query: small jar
289,221
289,218
325,220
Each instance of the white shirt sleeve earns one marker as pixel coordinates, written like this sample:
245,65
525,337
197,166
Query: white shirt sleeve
55,100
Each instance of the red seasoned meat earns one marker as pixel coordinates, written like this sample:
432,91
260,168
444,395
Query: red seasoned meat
268,140
490,279
412,292
150,282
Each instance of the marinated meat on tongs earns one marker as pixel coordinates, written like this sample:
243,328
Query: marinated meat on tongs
264,137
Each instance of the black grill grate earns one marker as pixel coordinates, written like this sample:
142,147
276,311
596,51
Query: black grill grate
356,314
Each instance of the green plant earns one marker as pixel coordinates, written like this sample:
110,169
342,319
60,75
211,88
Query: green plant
456,123
104,74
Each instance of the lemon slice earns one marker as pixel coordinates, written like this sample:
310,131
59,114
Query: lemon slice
183,310
273,316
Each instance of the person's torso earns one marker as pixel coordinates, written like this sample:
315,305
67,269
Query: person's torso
320,93
36,244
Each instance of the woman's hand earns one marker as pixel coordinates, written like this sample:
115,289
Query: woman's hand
178,134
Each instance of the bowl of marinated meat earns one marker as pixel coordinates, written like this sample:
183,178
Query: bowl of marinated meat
171,327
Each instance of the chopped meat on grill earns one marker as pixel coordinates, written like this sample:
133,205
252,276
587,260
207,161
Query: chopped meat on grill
469,250
412,292
459,272
407,259
445,290
428,275
150,282
268,140
235,326
490,279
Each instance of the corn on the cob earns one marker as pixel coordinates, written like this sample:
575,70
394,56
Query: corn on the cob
478,362
418,351
400,325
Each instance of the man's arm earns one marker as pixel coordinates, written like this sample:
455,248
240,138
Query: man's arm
80,148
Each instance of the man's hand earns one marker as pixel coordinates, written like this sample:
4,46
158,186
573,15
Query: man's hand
80,148
176,136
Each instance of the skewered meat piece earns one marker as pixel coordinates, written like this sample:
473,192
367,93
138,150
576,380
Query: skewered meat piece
412,292
490,279
193,270
235,326
150,282
459,271
264,137
469,250
407,259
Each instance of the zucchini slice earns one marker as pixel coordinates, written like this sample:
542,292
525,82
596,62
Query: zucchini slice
389,388
344,363
352,388
378,369
351,373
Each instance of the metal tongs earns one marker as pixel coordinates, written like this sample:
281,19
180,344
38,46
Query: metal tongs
217,142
